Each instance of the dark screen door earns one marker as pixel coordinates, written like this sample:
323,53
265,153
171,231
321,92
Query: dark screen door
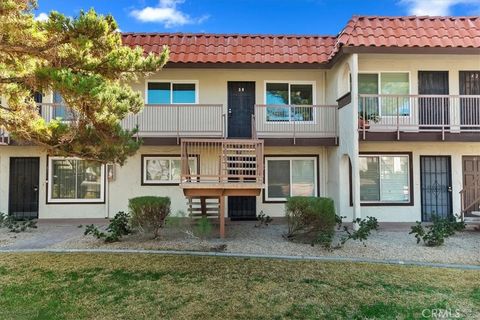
436,187
469,107
241,104
433,111
23,187
242,208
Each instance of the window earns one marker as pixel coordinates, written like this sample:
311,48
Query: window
75,180
396,84
171,92
298,94
287,177
385,178
60,109
164,170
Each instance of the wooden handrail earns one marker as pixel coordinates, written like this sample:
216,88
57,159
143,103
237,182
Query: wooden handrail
239,161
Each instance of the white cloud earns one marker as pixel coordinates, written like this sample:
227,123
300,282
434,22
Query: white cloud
166,12
435,7
42,17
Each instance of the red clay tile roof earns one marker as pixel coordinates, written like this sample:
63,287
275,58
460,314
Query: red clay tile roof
412,31
234,48
395,32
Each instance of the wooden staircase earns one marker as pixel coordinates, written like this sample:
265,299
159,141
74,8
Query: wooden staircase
199,207
224,167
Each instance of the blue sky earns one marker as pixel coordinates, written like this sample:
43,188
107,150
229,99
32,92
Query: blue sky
252,16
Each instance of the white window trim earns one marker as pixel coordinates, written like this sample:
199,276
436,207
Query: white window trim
378,155
314,100
315,171
172,82
73,200
379,80
157,182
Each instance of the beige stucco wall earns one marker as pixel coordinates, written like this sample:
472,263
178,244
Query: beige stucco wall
212,83
412,213
63,211
413,63
127,183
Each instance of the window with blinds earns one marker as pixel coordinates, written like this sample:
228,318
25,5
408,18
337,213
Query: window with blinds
384,178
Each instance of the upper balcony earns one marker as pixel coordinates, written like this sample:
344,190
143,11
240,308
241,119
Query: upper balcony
277,124
297,122
419,117
172,121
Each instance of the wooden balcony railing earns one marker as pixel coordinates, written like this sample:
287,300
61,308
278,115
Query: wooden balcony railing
419,113
295,121
178,121
221,162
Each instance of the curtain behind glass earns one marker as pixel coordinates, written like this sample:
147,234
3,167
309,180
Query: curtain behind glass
278,178
395,84
303,178
394,182
183,93
369,179
368,84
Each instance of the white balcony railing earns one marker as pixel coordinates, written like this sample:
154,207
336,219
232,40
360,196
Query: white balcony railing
294,121
174,120
419,113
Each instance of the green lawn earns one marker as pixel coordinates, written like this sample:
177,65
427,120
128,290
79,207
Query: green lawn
129,286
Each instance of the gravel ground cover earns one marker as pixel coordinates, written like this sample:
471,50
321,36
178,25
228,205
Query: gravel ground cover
244,237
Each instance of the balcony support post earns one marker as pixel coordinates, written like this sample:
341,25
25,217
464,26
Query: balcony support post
178,125
221,215
398,119
294,125
443,118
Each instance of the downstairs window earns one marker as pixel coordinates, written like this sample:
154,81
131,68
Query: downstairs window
385,179
75,180
285,177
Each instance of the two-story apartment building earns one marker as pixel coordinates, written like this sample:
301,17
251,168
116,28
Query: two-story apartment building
384,118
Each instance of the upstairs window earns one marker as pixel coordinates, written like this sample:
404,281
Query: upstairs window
298,94
396,84
171,93
60,109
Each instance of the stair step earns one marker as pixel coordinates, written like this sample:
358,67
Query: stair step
471,220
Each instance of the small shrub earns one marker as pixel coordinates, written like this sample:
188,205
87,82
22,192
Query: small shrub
149,213
365,228
177,221
118,227
203,228
434,235
16,226
311,220
263,220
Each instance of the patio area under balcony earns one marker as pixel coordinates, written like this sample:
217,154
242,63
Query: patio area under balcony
419,117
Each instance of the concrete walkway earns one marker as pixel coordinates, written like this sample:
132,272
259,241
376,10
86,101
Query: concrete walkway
255,256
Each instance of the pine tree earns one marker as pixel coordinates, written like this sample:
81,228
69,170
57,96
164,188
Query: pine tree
81,58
